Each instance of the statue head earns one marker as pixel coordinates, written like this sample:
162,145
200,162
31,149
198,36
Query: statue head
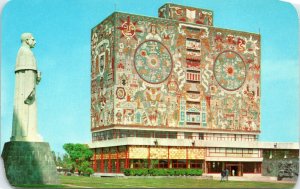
28,39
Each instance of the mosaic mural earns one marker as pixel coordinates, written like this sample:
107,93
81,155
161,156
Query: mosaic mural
153,61
164,73
186,14
102,70
230,70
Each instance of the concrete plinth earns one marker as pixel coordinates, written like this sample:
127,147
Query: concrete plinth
29,163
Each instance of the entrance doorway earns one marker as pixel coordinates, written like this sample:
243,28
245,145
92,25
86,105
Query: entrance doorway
235,169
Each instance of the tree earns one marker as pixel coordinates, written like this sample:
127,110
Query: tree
80,156
59,161
67,163
54,157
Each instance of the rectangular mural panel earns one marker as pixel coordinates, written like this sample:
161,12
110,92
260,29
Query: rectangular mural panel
196,153
186,14
177,153
158,153
138,152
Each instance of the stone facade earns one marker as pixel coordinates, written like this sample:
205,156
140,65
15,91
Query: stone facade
29,163
275,160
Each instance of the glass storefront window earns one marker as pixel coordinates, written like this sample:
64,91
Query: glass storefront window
179,164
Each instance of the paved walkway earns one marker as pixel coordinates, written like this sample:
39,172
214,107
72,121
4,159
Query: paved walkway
258,178
75,186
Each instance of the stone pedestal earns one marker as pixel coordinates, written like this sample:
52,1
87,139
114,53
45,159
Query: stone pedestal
29,163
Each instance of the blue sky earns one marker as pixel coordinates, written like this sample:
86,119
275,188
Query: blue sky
62,31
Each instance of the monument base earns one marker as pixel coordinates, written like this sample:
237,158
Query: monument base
29,163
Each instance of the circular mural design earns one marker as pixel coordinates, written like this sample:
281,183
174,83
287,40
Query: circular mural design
153,61
230,70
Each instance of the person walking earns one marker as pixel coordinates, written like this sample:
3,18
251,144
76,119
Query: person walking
222,175
226,173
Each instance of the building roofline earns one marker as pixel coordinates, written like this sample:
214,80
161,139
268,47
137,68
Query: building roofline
176,21
186,7
279,145
106,18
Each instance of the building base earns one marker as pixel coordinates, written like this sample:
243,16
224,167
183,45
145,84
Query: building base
29,163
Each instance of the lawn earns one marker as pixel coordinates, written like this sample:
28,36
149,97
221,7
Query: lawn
96,182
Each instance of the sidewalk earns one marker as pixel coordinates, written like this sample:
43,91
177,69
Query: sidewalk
258,178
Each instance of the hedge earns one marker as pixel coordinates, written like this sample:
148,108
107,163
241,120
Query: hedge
163,172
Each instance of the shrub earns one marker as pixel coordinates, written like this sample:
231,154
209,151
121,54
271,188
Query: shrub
163,172
192,172
170,172
176,172
141,172
198,172
89,171
180,172
132,172
126,172
154,172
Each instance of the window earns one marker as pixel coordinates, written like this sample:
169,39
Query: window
139,163
109,135
123,133
182,116
214,167
146,134
204,105
239,151
216,150
188,135
204,119
182,110
201,136
178,163
190,76
163,164
203,108
196,164
172,135
138,117
251,167
161,135
131,133
248,151
193,118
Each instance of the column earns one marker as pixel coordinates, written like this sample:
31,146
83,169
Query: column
187,158
95,161
109,161
101,161
168,156
117,161
149,160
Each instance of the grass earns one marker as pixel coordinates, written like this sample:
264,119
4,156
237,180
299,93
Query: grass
39,186
95,182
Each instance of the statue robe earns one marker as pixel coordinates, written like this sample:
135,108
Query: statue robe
25,106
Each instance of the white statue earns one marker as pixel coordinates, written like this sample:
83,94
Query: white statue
25,107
